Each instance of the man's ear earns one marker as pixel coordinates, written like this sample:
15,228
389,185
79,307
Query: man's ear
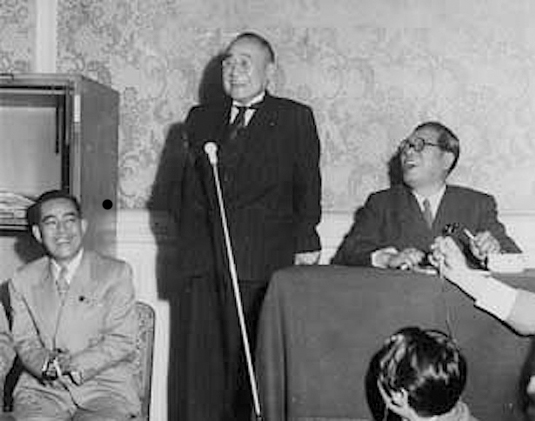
448,158
271,70
83,224
36,232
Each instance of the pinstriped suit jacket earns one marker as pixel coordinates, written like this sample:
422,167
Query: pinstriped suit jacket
271,187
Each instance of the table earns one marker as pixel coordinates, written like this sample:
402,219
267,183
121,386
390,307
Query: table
321,325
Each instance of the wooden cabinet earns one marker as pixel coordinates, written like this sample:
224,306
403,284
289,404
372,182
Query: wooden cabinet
57,131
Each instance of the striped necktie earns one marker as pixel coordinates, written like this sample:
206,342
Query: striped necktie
237,125
61,283
239,122
428,214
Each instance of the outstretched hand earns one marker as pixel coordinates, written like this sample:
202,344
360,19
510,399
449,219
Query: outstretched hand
447,256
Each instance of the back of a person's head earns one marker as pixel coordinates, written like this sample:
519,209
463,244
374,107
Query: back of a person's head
33,213
427,365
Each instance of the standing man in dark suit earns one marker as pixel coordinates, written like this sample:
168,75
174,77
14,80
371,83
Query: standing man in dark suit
268,161
396,227
74,324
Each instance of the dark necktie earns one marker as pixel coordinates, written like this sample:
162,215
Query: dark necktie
237,125
428,214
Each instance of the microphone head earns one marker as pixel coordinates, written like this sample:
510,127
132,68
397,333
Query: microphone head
210,148
451,228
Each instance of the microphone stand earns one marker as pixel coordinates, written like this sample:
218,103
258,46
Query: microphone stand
210,149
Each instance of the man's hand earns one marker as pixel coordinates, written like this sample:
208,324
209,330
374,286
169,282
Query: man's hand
64,360
448,256
307,258
484,244
49,371
405,259
58,364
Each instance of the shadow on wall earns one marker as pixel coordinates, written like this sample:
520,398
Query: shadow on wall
166,199
211,86
395,174
166,195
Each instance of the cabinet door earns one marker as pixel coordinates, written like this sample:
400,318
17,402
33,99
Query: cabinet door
94,159
30,139
58,131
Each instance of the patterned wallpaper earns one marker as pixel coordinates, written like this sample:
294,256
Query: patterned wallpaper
17,25
371,69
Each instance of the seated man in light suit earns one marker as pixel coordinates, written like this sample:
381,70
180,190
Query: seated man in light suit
396,226
74,324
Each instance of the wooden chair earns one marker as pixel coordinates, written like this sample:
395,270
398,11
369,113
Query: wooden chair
144,355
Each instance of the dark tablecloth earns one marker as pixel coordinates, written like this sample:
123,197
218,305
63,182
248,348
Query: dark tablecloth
321,325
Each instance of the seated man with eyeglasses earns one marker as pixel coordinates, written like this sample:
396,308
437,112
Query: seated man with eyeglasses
396,227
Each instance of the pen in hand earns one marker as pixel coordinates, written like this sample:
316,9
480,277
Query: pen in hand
469,234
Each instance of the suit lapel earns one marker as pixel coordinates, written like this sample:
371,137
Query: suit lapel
228,153
448,210
260,126
46,299
412,213
82,280
80,289
221,126
263,119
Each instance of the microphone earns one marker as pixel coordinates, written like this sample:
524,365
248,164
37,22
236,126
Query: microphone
451,228
454,227
210,148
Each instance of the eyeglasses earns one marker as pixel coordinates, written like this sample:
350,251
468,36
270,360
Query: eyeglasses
240,64
417,143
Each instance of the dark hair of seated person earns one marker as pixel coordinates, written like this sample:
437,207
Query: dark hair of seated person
33,214
427,364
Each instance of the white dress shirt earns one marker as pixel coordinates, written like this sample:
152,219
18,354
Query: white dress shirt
249,112
71,267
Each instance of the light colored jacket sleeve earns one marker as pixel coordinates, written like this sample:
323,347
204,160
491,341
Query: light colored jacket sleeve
27,342
118,339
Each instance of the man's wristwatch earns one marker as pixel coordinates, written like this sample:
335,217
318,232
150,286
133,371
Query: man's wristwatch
48,371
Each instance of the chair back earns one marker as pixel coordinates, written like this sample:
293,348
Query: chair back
144,354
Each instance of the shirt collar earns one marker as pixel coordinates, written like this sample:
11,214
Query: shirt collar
434,199
71,266
256,99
